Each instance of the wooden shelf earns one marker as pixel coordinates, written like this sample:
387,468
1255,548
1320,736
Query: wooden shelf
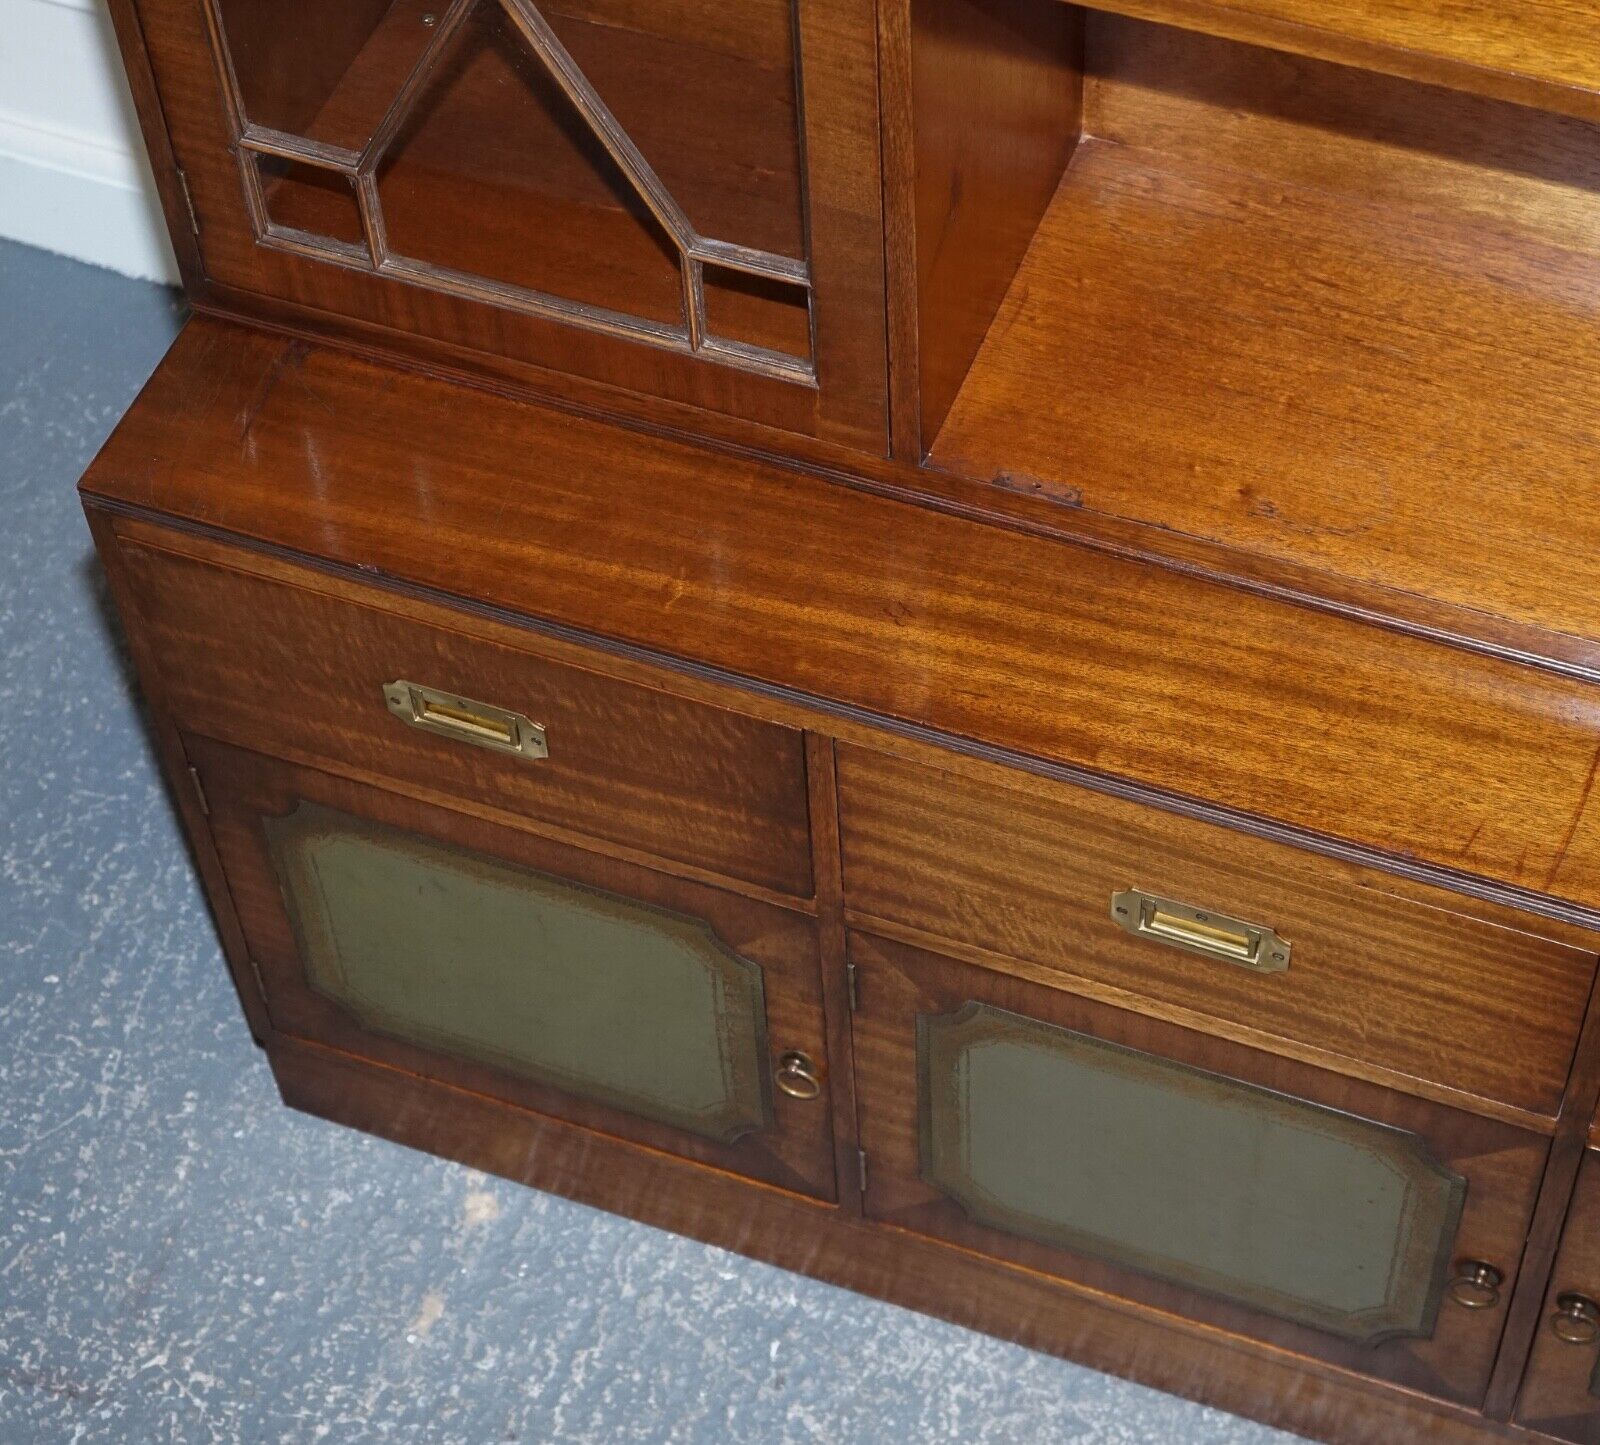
1398,390
1537,52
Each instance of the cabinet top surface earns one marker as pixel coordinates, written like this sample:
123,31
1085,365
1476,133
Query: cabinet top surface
877,611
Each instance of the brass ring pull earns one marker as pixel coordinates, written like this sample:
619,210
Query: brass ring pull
1476,1285
796,1075
1576,1320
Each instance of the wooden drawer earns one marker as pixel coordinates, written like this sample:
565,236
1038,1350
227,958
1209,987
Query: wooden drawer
291,669
1025,868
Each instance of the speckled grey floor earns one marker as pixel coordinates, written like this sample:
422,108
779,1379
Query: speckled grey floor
183,1259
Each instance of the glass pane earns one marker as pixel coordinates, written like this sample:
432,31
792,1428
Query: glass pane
565,985
707,92
758,312
327,72
473,131
306,198
1316,1216
496,175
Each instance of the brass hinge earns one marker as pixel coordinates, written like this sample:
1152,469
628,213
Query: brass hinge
861,1169
188,201
850,986
200,792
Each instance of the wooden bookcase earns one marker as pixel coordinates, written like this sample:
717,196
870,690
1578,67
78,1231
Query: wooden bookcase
948,642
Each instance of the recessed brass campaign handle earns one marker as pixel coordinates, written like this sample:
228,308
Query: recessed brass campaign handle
479,723
1199,930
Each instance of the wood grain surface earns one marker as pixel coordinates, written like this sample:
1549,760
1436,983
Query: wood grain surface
1372,389
1536,52
1557,1396
996,103
1203,309
1016,866
871,609
1200,1362
794,1153
1503,1165
286,669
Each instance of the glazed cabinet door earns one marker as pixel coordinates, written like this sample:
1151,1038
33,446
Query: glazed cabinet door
1262,1197
668,1013
677,197
1561,1390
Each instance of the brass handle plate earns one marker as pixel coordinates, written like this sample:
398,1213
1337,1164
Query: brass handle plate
1476,1285
796,1075
479,723
1199,930
1576,1320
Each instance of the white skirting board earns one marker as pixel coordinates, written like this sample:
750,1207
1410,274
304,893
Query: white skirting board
85,201
73,174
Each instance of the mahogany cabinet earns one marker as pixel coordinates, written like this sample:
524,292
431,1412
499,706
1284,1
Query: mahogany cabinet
947,642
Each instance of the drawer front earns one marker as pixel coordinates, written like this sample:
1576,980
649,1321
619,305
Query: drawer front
282,667
661,1011
1234,1188
1560,1394
1030,870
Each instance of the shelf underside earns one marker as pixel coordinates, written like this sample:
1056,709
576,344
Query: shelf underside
1400,394
1536,52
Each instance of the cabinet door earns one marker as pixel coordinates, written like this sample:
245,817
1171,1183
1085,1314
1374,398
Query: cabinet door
661,1011
1561,1390
1250,1193
674,196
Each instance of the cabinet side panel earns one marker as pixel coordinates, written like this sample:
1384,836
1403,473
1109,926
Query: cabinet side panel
996,98
153,127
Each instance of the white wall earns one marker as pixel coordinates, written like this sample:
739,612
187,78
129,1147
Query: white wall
73,174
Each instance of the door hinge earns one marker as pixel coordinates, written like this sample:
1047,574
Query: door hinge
200,792
188,201
850,986
861,1169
